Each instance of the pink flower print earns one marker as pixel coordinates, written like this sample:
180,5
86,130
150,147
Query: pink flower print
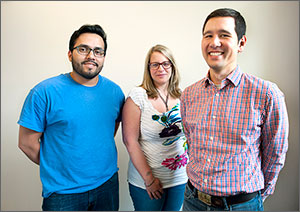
177,162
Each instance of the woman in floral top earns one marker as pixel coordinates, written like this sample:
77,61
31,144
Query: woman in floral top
154,138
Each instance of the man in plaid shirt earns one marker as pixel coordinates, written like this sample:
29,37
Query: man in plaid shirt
236,125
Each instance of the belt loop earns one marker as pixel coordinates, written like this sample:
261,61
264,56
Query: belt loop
190,185
225,204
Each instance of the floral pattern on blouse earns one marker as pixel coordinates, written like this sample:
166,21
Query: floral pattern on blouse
169,120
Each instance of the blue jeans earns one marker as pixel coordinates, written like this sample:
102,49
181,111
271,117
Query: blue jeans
103,198
171,199
191,203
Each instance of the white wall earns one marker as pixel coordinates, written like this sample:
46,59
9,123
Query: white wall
34,45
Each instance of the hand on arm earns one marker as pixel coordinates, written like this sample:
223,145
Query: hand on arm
131,129
29,143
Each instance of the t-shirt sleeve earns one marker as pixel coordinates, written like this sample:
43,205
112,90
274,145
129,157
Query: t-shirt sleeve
138,96
33,112
120,103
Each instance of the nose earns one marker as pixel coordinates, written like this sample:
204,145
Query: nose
215,42
160,67
90,54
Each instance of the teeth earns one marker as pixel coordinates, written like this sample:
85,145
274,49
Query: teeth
215,53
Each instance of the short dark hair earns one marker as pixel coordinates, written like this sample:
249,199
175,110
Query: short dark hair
240,24
96,29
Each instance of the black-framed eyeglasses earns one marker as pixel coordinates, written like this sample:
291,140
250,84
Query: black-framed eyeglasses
85,50
165,64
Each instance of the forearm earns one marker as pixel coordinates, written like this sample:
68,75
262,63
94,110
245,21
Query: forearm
152,184
31,151
139,161
271,169
29,143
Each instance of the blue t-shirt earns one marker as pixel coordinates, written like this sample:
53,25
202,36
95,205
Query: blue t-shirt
78,151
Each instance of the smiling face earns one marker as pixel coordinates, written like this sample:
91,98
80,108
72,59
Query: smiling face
220,44
87,67
161,75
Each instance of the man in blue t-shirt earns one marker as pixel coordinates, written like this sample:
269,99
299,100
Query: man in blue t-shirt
67,126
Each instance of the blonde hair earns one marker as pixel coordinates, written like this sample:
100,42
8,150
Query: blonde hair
148,84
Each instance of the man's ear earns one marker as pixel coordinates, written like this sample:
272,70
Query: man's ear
242,43
70,56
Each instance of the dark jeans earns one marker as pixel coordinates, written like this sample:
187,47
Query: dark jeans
191,203
103,198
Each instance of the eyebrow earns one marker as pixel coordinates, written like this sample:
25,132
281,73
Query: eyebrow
220,31
161,62
96,47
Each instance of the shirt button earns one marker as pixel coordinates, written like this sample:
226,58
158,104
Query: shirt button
211,138
208,160
214,117
217,94
205,180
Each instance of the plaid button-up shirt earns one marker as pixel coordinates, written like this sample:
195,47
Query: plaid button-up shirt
237,135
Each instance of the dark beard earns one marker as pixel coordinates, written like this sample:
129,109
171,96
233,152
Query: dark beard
87,75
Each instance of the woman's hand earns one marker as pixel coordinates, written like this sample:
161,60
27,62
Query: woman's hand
154,189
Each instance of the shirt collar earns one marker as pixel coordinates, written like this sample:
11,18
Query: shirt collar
234,77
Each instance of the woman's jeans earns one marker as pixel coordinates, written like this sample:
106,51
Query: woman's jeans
171,199
103,198
192,203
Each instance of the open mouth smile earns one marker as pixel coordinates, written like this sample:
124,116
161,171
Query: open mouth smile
215,53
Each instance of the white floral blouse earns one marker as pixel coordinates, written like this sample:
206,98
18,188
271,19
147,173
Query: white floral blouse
163,142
